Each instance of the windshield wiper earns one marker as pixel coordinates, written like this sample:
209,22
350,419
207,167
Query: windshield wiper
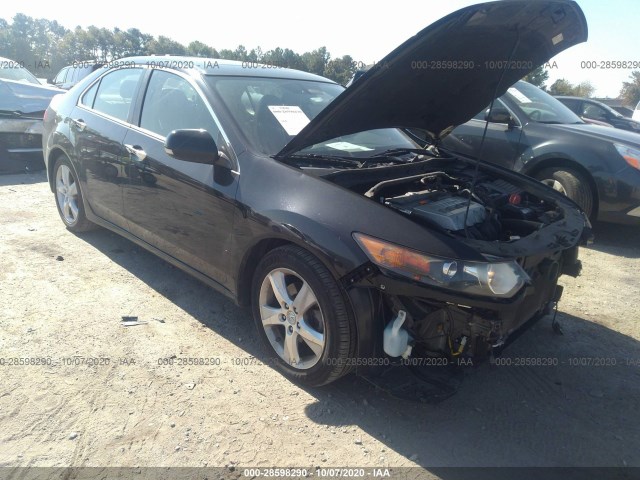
393,152
323,159
388,156
393,156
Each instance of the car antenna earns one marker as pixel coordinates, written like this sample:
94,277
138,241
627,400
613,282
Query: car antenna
484,134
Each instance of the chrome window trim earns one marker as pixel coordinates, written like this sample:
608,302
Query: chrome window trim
149,133
203,97
98,112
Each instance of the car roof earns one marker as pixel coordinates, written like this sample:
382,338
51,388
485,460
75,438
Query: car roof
221,67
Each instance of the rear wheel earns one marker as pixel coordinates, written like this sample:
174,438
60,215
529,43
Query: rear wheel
571,183
69,197
302,317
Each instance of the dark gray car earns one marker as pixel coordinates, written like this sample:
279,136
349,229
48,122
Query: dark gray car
589,109
531,132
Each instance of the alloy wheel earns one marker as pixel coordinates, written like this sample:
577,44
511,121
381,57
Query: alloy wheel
292,318
67,194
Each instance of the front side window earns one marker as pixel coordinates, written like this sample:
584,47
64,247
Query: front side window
172,103
115,92
607,111
74,75
538,105
589,110
61,76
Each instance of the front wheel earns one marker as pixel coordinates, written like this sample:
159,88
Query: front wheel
69,197
571,183
301,316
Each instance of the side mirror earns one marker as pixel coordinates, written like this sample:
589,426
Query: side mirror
500,115
195,146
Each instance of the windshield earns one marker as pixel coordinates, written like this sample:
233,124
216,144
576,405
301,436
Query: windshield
12,71
539,106
610,110
271,111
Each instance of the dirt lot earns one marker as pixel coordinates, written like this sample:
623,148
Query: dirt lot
62,297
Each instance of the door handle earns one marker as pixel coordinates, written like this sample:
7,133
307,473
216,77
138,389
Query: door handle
136,150
79,123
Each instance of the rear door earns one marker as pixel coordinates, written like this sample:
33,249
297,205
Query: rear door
99,123
173,205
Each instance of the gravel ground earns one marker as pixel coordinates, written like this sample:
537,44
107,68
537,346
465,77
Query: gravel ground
62,298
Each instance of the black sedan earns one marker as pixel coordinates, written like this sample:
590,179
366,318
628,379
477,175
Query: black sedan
588,109
288,193
532,132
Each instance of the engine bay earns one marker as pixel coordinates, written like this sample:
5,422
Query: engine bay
488,209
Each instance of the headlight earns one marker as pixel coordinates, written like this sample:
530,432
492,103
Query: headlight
631,155
493,279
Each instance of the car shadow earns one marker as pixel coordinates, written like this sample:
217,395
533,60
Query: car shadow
620,240
549,400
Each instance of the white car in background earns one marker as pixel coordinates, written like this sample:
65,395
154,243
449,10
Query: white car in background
636,113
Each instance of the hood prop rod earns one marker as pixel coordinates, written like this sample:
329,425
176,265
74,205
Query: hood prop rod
484,134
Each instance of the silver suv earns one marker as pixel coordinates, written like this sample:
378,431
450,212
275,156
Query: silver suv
72,74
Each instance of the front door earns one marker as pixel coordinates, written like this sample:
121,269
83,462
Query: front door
174,205
501,144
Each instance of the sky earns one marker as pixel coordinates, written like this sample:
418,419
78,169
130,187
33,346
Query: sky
366,31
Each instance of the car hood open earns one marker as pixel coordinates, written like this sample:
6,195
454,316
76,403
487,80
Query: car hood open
448,72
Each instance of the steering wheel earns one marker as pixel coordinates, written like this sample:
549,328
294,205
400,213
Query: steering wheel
535,115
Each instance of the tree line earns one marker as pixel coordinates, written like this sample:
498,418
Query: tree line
629,93
44,47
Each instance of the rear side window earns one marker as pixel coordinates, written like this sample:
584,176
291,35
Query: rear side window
73,78
115,93
573,105
171,103
89,96
61,76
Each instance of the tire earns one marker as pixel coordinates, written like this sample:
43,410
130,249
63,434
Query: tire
68,197
570,182
308,325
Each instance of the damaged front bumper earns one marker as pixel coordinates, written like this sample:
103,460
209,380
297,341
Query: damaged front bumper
443,323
